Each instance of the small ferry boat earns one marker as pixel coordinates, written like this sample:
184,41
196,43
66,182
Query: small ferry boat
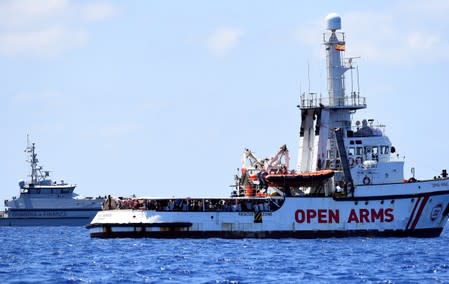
349,181
43,202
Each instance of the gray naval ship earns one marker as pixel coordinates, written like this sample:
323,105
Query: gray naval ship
43,202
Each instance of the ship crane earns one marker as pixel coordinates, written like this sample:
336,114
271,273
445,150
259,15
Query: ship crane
280,161
254,162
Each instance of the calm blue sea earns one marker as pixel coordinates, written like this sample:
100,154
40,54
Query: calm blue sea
69,255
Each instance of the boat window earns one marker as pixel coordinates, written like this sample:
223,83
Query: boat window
375,152
359,151
351,151
369,153
358,141
351,142
384,150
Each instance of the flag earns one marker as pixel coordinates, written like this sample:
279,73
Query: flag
340,46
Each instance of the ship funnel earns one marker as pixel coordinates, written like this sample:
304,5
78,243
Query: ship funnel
333,22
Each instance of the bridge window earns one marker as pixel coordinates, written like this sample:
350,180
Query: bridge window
375,152
351,151
384,150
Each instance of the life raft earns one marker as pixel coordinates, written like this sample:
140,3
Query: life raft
366,180
299,179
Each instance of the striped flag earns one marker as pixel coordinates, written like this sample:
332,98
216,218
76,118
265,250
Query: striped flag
340,46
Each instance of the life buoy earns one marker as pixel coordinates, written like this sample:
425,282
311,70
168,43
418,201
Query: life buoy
351,162
359,160
366,180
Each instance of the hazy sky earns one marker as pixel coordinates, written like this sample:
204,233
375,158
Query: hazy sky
160,98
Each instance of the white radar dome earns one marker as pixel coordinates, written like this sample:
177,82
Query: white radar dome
333,22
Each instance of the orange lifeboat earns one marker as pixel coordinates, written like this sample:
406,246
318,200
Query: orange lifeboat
299,179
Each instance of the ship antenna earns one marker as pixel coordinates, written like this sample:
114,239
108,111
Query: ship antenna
308,74
350,61
352,80
33,164
33,159
358,82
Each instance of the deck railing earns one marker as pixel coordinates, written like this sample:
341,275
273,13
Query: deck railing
353,101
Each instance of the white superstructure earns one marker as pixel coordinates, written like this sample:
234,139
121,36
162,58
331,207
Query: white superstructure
43,202
348,182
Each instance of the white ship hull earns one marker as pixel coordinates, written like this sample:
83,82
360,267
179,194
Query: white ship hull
48,217
419,213
50,210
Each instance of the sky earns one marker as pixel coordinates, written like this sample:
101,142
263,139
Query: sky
160,98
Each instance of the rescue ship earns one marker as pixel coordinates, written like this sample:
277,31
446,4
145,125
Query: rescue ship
349,181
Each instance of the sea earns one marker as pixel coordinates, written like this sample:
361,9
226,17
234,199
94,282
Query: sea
69,255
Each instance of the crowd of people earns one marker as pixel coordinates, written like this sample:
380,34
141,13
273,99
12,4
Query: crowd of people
193,204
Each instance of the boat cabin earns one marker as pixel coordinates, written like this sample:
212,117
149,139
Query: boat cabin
371,155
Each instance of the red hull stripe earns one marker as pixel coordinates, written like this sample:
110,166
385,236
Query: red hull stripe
413,213
418,215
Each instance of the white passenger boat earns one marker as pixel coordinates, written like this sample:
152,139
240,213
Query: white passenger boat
43,202
349,181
